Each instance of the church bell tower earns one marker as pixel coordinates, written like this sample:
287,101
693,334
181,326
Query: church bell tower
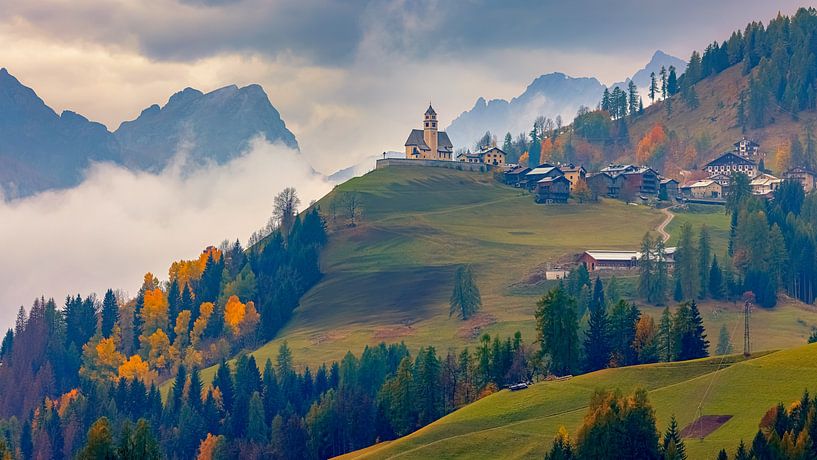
430,131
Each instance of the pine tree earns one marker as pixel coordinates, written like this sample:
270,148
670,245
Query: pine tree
653,87
678,292
673,445
256,423
724,346
672,82
663,74
645,268
716,280
704,259
686,263
665,337
557,328
613,295
110,312
597,338
465,297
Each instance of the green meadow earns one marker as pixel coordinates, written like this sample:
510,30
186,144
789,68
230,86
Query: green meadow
522,424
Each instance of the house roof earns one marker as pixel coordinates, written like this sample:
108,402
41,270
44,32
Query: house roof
542,170
750,142
518,170
430,110
765,179
552,179
622,255
800,169
729,158
489,150
667,180
701,183
572,168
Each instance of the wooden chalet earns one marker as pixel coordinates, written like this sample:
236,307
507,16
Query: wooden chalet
552,190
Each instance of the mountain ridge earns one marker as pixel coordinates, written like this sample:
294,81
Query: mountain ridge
552,94
43,150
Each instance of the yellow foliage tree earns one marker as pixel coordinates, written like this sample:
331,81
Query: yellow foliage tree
66,399
154,312
182,326
184,271
136,368
234,312
159,354
100,359
205,310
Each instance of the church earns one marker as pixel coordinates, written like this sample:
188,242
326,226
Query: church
428,143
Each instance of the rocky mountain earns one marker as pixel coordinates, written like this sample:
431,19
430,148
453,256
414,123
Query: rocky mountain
42,150
216,126
549,95
642,77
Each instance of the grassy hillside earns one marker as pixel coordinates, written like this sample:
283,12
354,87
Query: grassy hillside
522,424
389,279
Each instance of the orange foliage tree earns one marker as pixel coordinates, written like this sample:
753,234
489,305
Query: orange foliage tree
782,158
524,159
651,145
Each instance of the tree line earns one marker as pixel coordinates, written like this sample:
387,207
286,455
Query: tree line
617,333
276,411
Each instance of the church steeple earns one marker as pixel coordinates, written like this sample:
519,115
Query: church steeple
430,130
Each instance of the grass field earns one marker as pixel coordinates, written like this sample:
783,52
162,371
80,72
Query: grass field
522,424
388,280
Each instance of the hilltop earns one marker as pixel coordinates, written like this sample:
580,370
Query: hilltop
522,424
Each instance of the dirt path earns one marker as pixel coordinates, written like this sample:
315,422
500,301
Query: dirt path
661,229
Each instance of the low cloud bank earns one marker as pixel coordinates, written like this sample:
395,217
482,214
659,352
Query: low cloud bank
119,224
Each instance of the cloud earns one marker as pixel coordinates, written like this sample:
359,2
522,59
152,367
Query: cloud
117,225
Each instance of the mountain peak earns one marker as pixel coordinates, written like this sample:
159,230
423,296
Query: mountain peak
184,96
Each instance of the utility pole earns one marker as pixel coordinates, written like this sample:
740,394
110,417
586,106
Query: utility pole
747,312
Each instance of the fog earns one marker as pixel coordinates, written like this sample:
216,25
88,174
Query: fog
119,224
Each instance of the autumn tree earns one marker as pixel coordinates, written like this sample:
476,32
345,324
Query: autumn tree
99,445
653,145
285,208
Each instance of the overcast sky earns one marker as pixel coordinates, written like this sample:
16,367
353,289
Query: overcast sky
350,78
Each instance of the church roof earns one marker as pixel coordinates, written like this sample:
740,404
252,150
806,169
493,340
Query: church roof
416,139
430,110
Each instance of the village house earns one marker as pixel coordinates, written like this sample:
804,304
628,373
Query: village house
540,172
618,260
765,184
706,189
428,143
555,189
574,174
806,177
493,156
668,188
642,179
603,184
746,148
728,163
515,176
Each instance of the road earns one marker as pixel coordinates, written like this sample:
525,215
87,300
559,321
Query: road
662,227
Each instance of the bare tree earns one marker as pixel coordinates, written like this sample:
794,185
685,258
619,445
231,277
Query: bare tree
285,208
351,205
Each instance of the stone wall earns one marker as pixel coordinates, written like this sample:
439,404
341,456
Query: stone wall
458,165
